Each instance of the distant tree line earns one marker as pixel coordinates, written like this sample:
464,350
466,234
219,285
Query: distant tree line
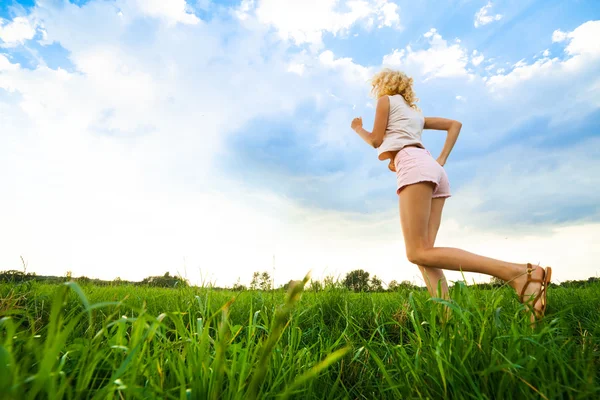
359,281
13,275
356,281
167,280
577,284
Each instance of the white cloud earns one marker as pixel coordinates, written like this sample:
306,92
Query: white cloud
16,32
476,58
394,58
529,90
430,33
296,68
305,21
482,17
546,53
172,11
559,36
388,14
6,65
440,60
351,72
583,47
520,63
584,39
244,9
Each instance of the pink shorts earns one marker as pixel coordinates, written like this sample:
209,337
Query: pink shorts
414,165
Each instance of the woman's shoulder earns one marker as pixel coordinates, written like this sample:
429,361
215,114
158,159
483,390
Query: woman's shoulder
398,98
399,101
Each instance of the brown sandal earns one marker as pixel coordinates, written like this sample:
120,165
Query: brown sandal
542,294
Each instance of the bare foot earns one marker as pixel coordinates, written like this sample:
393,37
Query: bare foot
532,289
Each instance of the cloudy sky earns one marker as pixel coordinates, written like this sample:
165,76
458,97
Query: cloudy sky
211,138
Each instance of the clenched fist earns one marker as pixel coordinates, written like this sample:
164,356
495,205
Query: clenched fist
356,123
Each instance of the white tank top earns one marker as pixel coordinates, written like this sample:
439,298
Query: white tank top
405,126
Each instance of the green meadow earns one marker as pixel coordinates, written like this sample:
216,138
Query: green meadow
70,341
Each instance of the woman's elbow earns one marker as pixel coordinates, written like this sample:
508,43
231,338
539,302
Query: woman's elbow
376,139
457,124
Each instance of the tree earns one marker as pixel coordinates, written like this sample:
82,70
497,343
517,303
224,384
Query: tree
265,281
83,280
238,287
261,281
394,286
376,284
165,281
407,285
12,276
357,280
255,281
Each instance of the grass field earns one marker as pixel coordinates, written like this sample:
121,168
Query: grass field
70,341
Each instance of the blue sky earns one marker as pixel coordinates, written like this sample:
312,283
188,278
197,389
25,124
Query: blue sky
162,135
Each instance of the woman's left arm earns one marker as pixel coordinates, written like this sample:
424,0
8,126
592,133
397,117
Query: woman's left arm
443,124
374,138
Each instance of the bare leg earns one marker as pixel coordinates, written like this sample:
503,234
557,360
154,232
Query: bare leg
435,276
415,212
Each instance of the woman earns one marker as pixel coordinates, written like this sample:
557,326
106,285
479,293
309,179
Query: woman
423,188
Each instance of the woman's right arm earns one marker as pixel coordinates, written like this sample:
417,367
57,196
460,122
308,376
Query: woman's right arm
443,124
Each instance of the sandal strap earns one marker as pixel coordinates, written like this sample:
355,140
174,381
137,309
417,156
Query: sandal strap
539,295
529,270
530,280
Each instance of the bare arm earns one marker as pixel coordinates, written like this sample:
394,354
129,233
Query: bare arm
374,138
442,124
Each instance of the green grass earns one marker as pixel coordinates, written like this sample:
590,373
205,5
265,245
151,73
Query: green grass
67,341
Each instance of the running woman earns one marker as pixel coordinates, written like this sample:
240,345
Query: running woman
423,187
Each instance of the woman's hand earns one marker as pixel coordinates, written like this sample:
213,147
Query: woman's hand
356,123
391,165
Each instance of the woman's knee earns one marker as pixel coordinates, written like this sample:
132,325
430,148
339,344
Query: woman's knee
417,255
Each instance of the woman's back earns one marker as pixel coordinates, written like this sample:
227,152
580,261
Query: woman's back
404,128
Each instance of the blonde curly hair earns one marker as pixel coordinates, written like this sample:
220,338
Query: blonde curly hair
389,82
